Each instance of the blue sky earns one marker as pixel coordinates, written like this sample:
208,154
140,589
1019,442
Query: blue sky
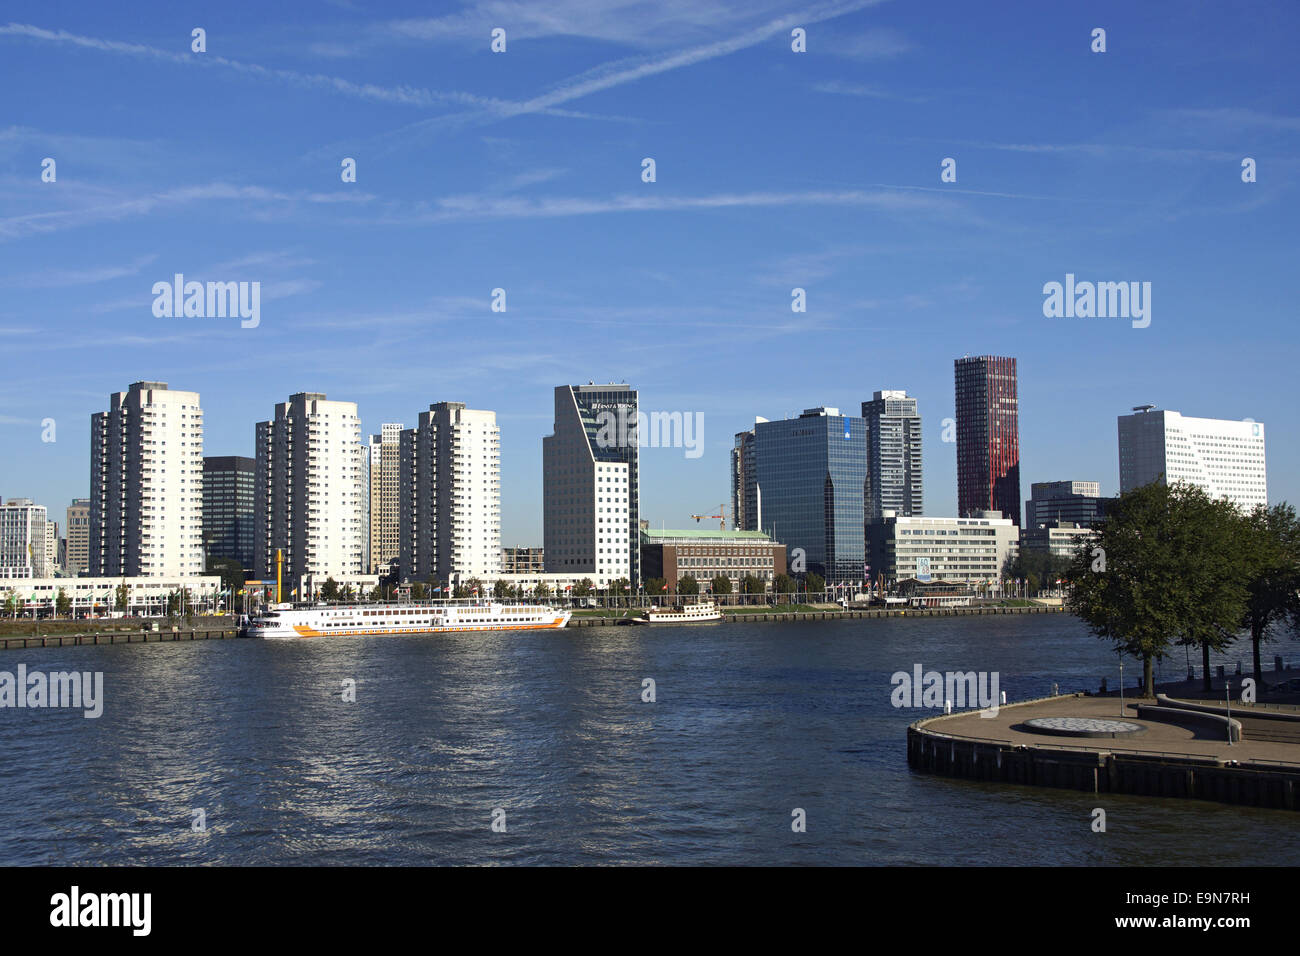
522,170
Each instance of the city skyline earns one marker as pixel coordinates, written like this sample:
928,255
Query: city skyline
522,171
508,541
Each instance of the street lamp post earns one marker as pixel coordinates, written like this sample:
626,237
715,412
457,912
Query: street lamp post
1227,699
1121,686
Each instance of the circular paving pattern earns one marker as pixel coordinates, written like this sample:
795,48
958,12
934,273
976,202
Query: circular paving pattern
1082,727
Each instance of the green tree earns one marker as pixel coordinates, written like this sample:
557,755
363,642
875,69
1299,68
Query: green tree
783,584
752,585
230,571
376,593
62,603
475,588
722,584
500,590
542,590
814,583
656,587
122,595
11,604
329,591
418,591
1272,546
583,588
687,585
1157,572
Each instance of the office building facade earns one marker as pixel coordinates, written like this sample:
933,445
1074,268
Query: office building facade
1078,502
229,505
988,436
746,502
812,476
705,555
591,489
970,550
76,550
146,484
893,455
450,496
23,531
1225,457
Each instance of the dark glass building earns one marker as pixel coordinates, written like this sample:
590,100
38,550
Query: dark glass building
988,437
745,510
1077,502
228,496
812,476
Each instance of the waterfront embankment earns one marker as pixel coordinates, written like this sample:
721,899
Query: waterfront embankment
842,615
1182,749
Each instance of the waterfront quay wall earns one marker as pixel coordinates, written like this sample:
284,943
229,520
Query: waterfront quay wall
845,615
118,637
1099,770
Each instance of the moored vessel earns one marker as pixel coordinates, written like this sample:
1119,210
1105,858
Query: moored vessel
681,614
283,621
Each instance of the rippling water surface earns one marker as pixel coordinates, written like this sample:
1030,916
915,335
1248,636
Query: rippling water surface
751,721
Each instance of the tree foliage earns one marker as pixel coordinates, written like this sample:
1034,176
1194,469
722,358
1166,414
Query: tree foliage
721,584
1167,566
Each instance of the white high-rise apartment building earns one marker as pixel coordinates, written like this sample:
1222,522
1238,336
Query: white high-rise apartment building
590,478
23,530
51,546
450,496
1225,457
309,493
893,455
383,465
146,484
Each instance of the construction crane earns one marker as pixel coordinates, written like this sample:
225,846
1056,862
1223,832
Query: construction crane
722,518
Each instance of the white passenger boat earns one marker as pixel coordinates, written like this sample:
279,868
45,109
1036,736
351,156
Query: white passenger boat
680,614
285,621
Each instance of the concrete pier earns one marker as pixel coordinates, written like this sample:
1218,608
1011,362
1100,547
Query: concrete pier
1172,759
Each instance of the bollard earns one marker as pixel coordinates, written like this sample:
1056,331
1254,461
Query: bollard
1277,663
947,707
1056,689
1004,697
1219,670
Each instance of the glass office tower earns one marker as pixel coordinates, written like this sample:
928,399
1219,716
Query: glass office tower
812,476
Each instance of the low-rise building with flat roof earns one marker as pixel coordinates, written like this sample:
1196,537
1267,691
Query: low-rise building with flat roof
704,555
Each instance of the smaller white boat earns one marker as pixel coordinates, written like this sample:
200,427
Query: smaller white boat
680,614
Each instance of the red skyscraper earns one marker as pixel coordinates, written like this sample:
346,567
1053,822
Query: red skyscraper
988,436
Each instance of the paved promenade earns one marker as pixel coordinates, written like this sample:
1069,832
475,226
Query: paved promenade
1160,737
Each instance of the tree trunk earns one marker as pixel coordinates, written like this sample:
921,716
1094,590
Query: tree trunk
1148,677
1256,638
1205,666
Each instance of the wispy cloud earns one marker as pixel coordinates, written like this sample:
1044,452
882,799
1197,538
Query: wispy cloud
630,70
59,278
496,207
14,227
404,95
841,88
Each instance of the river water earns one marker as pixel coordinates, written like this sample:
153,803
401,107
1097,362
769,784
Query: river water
750,722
